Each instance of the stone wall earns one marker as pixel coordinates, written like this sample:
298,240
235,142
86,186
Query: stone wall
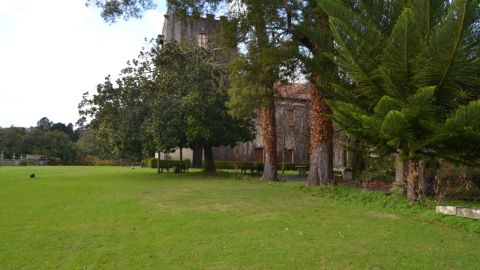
293,133
179,28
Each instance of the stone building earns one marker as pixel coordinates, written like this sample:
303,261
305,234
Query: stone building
292,106
293,130
199,31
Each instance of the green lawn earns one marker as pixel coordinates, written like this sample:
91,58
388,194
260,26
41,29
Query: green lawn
120,218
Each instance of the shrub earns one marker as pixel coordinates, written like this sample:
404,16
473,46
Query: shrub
152,163
95,161
253,166
24,162
378,168
457,182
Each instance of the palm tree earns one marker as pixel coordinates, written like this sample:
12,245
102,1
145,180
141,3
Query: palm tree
410,77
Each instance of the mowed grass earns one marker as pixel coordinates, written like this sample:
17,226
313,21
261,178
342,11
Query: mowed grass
123,218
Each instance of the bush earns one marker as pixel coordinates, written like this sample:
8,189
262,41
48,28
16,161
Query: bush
152,163
457,182
253,166
24,162
95,161
380,168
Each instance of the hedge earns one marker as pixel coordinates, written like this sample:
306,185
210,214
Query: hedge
246,165
222,165
152,163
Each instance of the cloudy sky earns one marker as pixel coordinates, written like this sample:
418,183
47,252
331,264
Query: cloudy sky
51,51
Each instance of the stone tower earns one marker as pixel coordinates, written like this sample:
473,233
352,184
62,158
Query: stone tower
197,31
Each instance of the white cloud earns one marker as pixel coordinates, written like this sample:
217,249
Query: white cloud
52,51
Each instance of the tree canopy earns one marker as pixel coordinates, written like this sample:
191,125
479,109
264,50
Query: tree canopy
411,82
172,96
45,139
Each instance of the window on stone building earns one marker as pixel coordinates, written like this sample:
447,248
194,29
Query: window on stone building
258,155
202,40
290,115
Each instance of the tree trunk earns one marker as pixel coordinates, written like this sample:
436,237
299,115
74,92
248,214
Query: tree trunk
401,170
355,160
268,123
413,180
321,142
421,178
209,165
181,159
158,163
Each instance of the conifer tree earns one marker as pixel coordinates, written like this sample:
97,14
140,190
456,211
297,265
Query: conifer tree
411,78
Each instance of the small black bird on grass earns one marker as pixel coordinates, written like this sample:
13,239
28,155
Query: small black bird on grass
32,175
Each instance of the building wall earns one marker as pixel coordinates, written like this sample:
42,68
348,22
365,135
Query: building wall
293,133
186,29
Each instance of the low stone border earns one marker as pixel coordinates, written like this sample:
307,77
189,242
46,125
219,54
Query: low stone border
459,211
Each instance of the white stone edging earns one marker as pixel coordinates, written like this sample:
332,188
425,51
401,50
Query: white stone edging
466,212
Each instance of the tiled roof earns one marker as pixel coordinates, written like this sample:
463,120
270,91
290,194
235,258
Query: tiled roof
295,90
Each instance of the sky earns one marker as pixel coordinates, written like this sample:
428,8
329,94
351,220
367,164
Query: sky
52,51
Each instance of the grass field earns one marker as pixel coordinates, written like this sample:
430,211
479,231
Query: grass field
120,218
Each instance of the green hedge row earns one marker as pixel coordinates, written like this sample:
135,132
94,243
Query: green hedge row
246,165
240,165
94,161
152,163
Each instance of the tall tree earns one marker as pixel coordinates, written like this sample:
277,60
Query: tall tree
172,96
44,124
413,70
308,25
118,113
255,72
188,97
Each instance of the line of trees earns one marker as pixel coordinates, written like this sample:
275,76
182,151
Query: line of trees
53,140
401,76
58,143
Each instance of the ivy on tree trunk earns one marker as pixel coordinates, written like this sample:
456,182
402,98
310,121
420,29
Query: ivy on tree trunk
321,142
268,123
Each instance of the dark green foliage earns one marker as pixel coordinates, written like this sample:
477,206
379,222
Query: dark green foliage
55,145
117,113
44,124
187,100
411,78
170,97
379,168
95,161
90,145
153,163
254,166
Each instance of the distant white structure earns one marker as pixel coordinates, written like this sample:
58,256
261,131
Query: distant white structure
32,157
